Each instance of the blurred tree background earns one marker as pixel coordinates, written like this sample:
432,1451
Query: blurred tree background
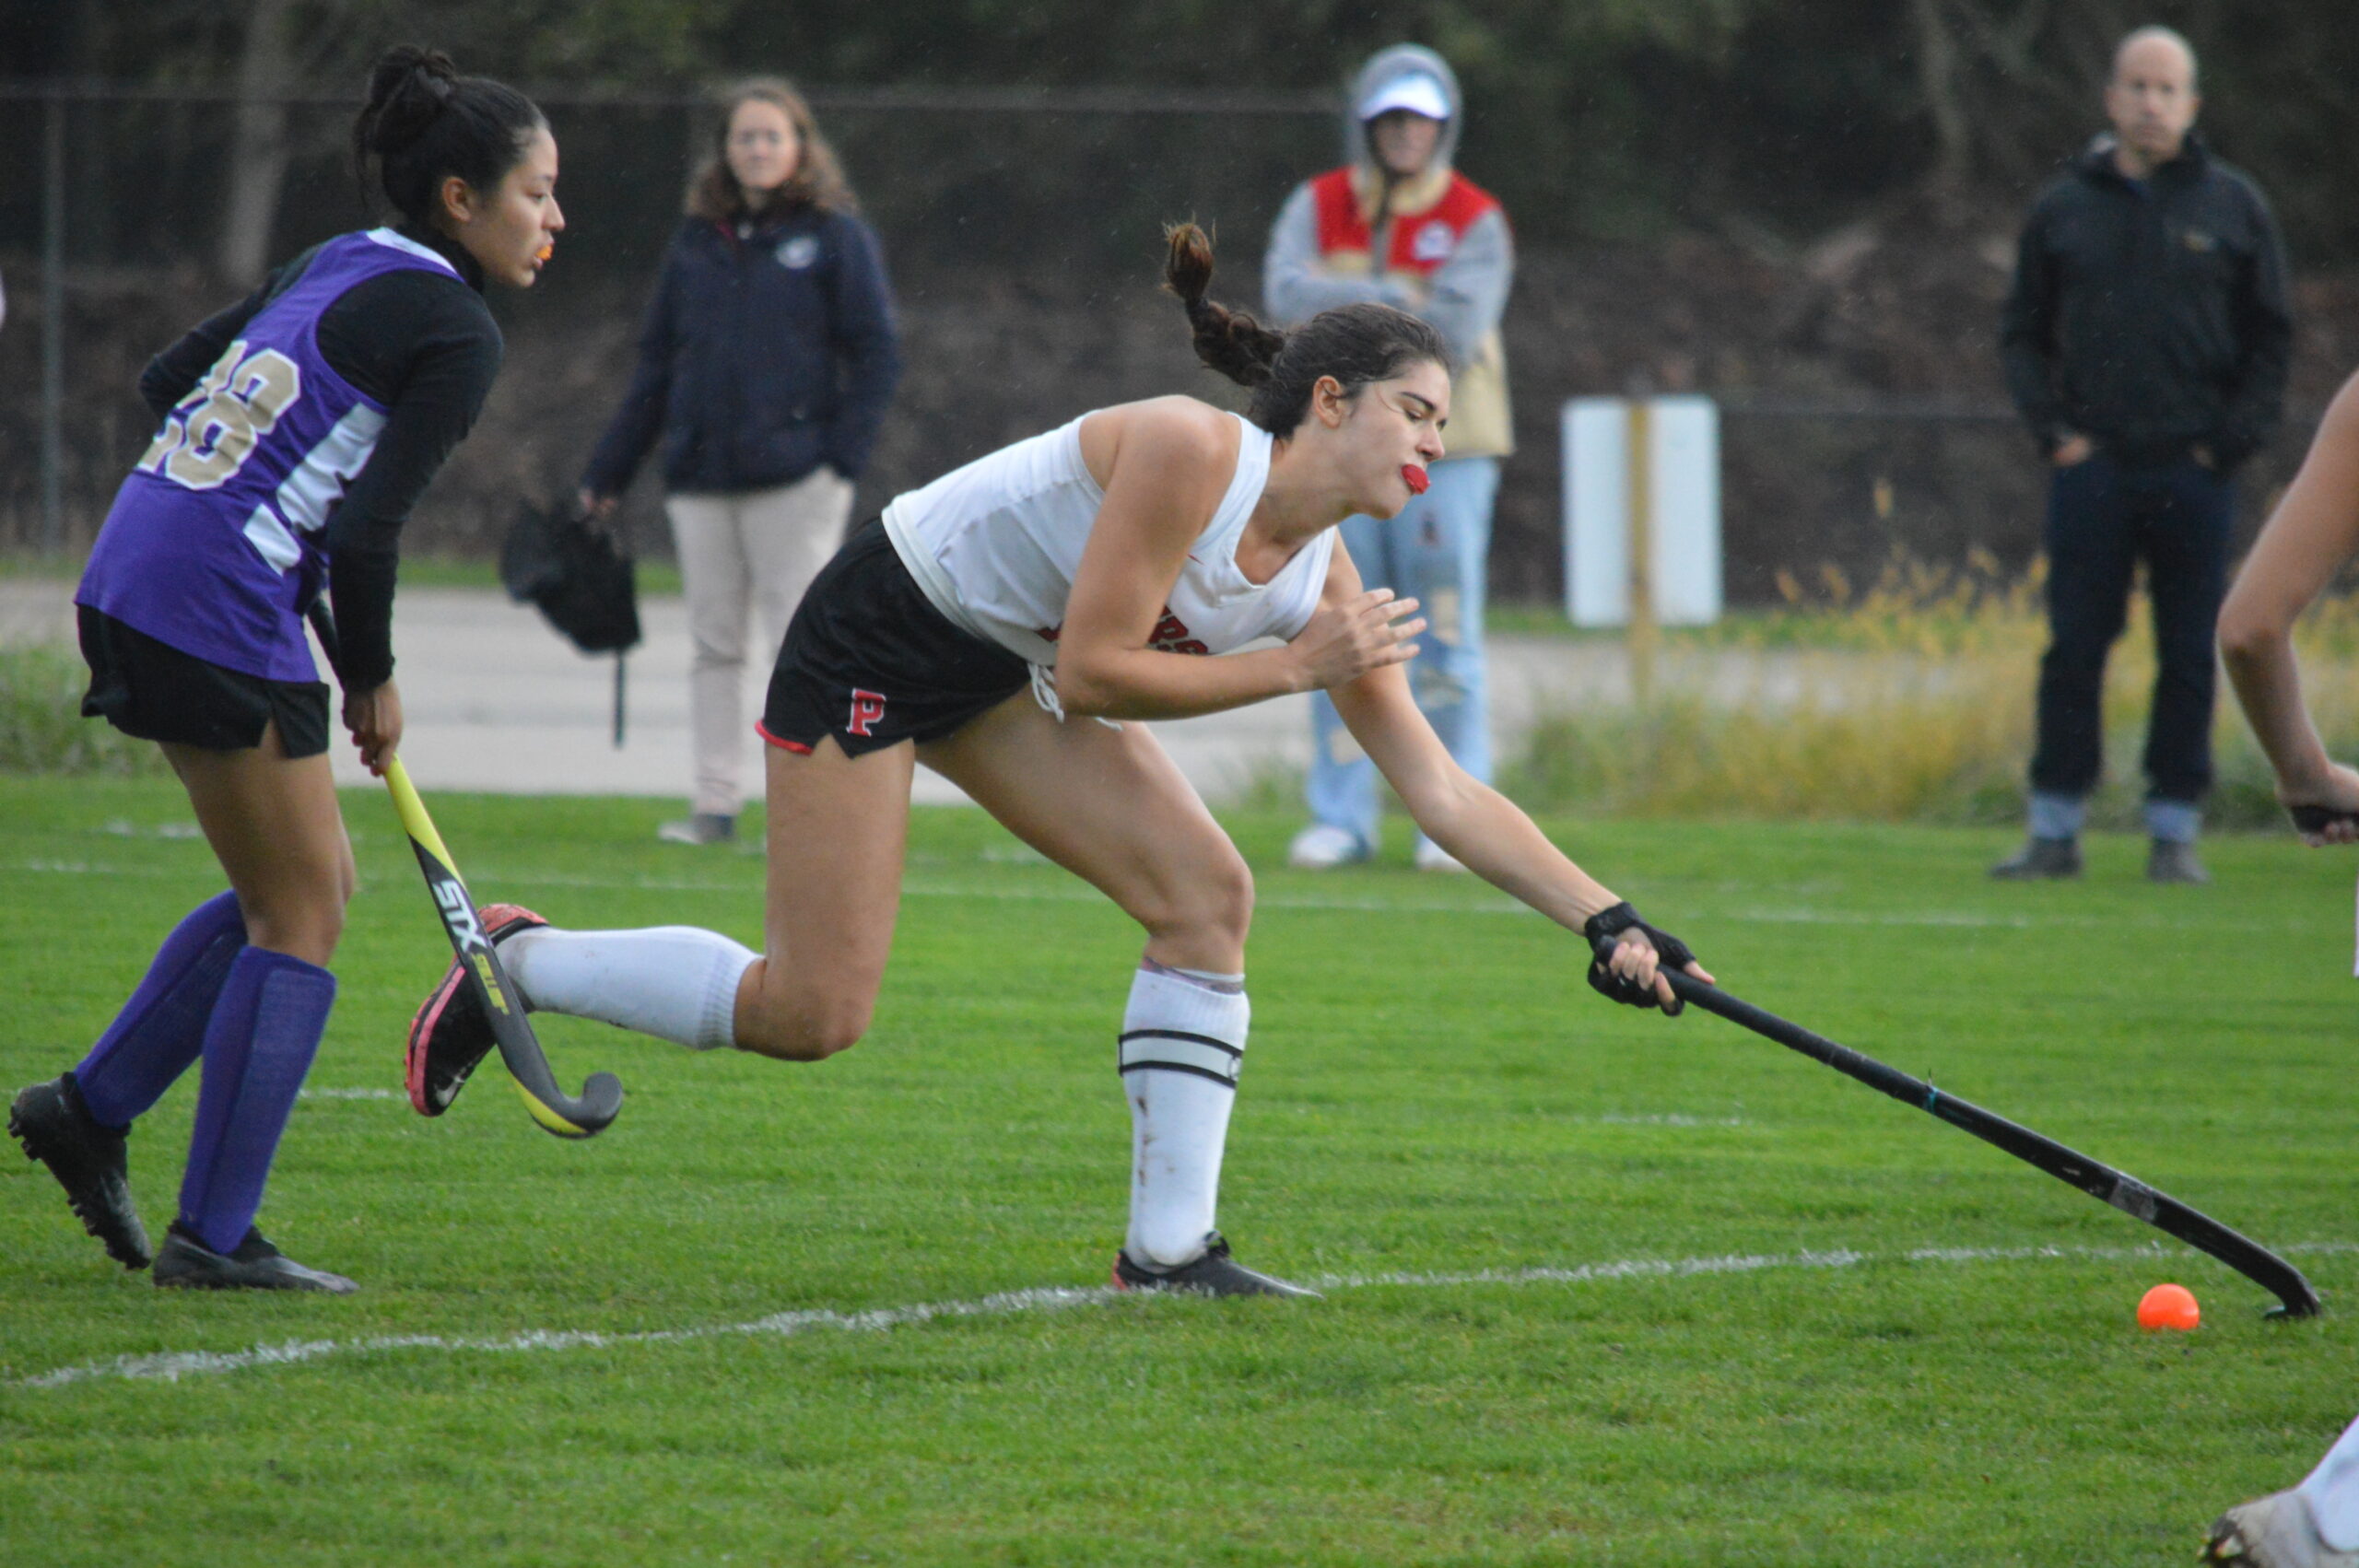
1810,199
1595,118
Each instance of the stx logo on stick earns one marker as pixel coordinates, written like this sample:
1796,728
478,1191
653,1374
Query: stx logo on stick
459,914
867,708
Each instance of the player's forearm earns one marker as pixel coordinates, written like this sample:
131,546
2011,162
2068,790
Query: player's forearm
1150,684
2269,684
1491,836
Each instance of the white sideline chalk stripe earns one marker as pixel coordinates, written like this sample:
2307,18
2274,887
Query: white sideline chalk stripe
172,1366
309,1094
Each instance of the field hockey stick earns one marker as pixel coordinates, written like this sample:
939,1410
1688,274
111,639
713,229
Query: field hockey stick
565,1115
2102,1182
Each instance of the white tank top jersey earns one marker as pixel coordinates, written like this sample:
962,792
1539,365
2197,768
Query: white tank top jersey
994,546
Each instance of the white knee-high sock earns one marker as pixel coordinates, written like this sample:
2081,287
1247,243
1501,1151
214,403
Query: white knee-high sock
1183,1040
679,983
2332,1493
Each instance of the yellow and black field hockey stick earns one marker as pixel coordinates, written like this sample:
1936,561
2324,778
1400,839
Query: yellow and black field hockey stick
565,1115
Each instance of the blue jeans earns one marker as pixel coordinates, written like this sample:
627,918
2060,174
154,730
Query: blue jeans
2104,516
1436,551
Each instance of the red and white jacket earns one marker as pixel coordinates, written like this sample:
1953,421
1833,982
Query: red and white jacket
1437,246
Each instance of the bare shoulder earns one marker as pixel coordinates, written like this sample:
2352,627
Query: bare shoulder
1160,433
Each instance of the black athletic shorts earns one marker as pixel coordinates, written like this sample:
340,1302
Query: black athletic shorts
155,691
870,660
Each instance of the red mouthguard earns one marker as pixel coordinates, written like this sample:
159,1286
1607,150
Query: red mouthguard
1416,478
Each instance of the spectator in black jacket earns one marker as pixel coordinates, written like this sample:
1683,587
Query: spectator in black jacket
2145,343
766,361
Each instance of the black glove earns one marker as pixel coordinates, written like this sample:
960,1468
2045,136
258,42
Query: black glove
1604,930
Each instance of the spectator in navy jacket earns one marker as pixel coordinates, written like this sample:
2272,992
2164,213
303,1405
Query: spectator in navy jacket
765,363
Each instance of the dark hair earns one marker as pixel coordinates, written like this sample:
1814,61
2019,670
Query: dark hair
817,180
1354,343
425,122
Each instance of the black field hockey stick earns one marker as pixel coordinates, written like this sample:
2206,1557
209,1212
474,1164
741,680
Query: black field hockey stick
565,1115
2102,1182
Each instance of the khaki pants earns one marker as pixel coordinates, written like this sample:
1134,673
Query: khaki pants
739,551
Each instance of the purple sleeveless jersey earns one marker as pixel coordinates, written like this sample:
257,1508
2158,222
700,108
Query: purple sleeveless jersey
213,544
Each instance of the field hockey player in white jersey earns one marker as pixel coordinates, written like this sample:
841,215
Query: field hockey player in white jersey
1000,626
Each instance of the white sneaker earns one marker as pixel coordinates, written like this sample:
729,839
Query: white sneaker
2275,1531
1323,847
1432,857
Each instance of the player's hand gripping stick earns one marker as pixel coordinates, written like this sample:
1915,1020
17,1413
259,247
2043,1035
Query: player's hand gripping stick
2318,819
565,1115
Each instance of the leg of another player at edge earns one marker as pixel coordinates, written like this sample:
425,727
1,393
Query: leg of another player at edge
838,828
2332,1493
1110,806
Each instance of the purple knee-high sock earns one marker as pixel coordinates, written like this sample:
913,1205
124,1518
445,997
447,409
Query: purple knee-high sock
161,1029
257,1047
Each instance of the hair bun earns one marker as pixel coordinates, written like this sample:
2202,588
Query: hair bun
408,86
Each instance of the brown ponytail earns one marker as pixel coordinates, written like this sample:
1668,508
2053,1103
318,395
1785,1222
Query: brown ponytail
1229,341
1354,343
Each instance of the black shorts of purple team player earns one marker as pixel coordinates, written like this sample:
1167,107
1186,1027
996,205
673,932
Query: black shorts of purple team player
153,690
869,660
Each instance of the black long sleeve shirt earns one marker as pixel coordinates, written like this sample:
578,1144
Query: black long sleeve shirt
425,345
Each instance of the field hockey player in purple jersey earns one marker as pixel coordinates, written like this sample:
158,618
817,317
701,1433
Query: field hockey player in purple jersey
1000,625
298,430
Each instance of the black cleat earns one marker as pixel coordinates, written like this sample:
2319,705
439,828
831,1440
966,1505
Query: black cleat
450,1035
187,1263
2041,860
2173,862
1214,1274
87,1159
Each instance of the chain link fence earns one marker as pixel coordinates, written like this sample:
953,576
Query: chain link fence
1022,230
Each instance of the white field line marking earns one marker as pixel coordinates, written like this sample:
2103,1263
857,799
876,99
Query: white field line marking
172,1366
308,1094
920,888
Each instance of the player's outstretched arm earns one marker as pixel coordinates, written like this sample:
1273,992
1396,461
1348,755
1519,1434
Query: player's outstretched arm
1491,836
2313,533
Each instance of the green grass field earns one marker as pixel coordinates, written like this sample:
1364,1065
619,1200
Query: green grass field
1604,1289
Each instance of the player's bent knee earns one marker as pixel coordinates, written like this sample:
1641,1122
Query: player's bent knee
806,1032
1216,903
